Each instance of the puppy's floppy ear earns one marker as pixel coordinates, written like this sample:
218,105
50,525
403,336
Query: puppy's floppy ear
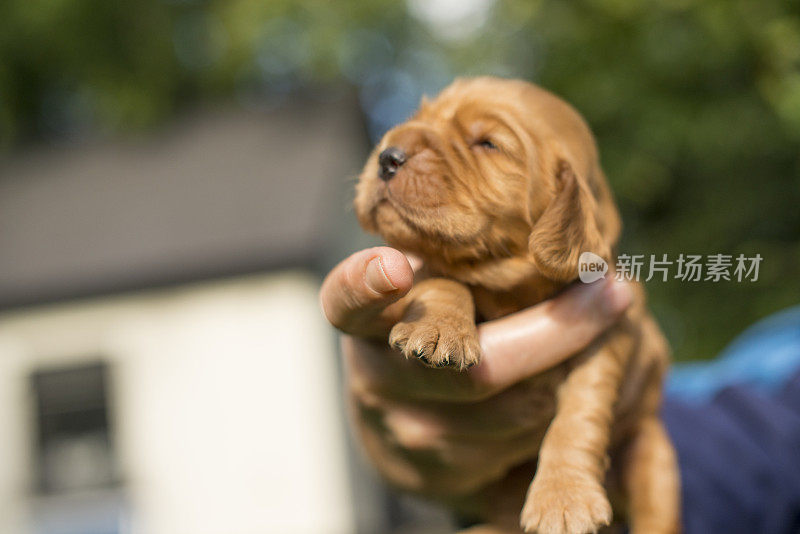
567,227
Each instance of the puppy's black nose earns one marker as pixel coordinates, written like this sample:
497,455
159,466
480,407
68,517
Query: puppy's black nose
390,160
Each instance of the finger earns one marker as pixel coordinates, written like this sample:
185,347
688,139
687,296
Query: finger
515,347
420,424
533,340
463,466
355,294
445,467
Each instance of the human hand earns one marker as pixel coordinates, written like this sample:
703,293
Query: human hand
443,433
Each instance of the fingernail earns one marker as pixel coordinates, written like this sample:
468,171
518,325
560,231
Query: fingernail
376,277
618,296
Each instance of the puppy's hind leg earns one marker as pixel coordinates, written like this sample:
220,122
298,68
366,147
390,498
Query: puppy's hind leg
651,481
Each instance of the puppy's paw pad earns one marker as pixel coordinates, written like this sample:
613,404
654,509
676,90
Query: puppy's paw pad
444,343
565,508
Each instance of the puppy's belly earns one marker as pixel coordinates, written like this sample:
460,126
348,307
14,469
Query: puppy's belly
535,399
533,403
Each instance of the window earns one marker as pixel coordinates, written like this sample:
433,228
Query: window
74,446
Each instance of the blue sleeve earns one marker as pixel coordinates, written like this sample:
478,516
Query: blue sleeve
735,423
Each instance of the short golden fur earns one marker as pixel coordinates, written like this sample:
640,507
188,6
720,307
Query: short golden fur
500,192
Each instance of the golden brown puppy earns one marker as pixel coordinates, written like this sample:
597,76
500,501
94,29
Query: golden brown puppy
496,184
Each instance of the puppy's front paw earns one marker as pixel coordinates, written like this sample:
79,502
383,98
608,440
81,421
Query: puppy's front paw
565,506
438,343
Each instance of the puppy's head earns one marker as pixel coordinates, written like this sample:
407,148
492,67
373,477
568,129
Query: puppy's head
491,170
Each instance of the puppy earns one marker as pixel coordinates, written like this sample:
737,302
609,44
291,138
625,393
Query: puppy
497,186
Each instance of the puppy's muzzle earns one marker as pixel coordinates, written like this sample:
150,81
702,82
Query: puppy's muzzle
390,160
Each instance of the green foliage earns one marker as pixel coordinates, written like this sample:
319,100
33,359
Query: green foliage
69,66
696,104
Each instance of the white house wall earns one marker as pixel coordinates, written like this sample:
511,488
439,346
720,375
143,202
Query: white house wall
225,408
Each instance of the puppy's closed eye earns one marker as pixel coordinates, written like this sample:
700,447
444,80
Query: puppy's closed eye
485,143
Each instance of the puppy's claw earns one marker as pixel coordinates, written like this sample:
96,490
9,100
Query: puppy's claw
440,343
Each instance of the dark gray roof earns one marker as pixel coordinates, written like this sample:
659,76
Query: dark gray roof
219,193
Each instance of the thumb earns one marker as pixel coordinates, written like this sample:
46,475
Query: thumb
356,293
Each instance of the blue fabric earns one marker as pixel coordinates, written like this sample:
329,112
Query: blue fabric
735,423
764,357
